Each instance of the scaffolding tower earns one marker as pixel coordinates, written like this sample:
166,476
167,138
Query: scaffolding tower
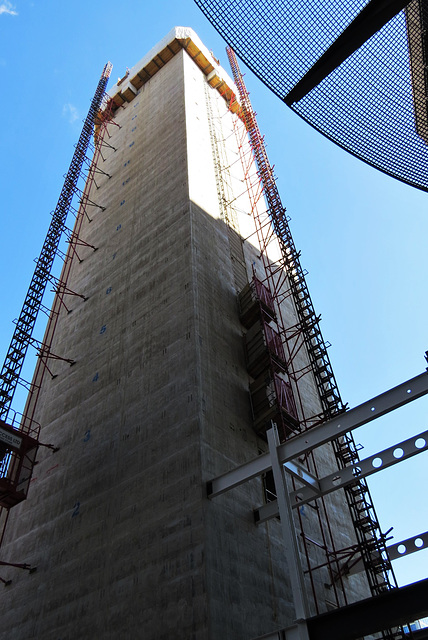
19,433
280,400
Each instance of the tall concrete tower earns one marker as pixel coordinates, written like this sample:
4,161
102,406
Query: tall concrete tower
169,378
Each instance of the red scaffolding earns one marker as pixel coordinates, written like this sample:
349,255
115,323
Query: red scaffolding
265,318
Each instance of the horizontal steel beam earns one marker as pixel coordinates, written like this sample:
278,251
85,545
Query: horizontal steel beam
408,546
362,414
266,512
390,609
239,475
363,468
316,436
349,475
396,550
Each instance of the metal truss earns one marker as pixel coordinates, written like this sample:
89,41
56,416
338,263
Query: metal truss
308,320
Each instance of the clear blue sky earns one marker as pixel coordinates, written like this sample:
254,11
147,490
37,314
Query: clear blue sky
362,234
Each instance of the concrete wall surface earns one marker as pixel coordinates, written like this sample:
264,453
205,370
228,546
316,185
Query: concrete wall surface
117,522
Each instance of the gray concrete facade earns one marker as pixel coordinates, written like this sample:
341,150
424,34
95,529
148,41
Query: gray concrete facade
125,541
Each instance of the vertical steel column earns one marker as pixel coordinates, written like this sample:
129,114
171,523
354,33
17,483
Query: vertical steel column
367,529
291,546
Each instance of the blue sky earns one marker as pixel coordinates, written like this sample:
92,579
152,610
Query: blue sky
361,233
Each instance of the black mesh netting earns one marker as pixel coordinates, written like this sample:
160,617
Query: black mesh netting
374,104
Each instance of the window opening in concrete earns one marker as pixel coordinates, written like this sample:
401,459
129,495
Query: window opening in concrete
269,488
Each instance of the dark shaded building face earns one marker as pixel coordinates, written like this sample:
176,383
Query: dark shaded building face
158,401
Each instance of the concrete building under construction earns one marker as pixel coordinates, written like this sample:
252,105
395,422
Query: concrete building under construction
182,330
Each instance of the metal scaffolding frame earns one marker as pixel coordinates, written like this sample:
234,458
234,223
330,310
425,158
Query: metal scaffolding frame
279,457
19,434
287,279
10,373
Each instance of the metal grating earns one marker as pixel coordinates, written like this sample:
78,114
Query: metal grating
373,105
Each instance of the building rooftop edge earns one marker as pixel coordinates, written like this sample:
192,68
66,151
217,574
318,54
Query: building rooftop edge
178,38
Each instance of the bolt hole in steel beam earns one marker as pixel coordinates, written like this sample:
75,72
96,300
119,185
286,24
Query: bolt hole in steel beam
411,545
351,474
377,462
